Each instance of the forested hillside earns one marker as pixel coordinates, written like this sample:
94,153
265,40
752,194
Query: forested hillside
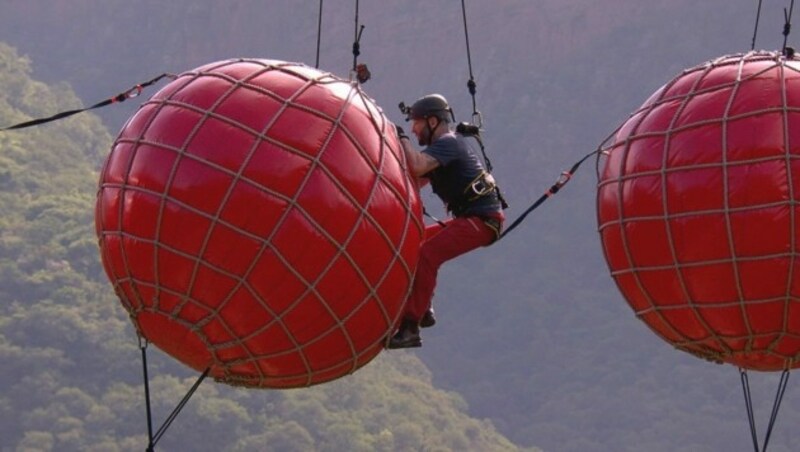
532,332
71,375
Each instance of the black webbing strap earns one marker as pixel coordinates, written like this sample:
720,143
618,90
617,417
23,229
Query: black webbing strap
143,347
776,405
133,92
562,180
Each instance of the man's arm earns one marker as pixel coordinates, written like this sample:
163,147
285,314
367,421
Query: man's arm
419,163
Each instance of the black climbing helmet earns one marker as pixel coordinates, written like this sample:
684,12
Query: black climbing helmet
431,105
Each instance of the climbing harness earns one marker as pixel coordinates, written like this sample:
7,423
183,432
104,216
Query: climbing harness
471,130
480,186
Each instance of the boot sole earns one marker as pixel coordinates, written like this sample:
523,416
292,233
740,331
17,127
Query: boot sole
412,344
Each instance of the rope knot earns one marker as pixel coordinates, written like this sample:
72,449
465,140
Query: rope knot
472,86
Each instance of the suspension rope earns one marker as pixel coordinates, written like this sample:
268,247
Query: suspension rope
357,40
787,26
755,29
748,401
143,347
473,129
152,439
131,93
319,33
472,86
178,408
776,405
360,70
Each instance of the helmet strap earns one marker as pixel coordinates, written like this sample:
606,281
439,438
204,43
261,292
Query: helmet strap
430,129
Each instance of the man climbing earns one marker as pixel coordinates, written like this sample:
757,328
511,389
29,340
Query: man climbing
469,193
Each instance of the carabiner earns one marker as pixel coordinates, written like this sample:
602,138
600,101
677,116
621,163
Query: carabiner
477,119
133,92
563,179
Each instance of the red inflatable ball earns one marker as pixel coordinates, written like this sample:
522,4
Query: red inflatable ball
698,211
255,217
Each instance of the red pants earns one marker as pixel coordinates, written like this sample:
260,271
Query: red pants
442,243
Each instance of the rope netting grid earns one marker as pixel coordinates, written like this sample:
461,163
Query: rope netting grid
313,284
117,284
310,286
215,219
697,346
364,214
622,219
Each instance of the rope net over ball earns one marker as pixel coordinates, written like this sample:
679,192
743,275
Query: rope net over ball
255,217
698,210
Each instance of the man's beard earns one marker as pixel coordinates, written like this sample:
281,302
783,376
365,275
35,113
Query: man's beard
424,137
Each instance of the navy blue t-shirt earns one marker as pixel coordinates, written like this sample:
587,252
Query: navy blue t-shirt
458,168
